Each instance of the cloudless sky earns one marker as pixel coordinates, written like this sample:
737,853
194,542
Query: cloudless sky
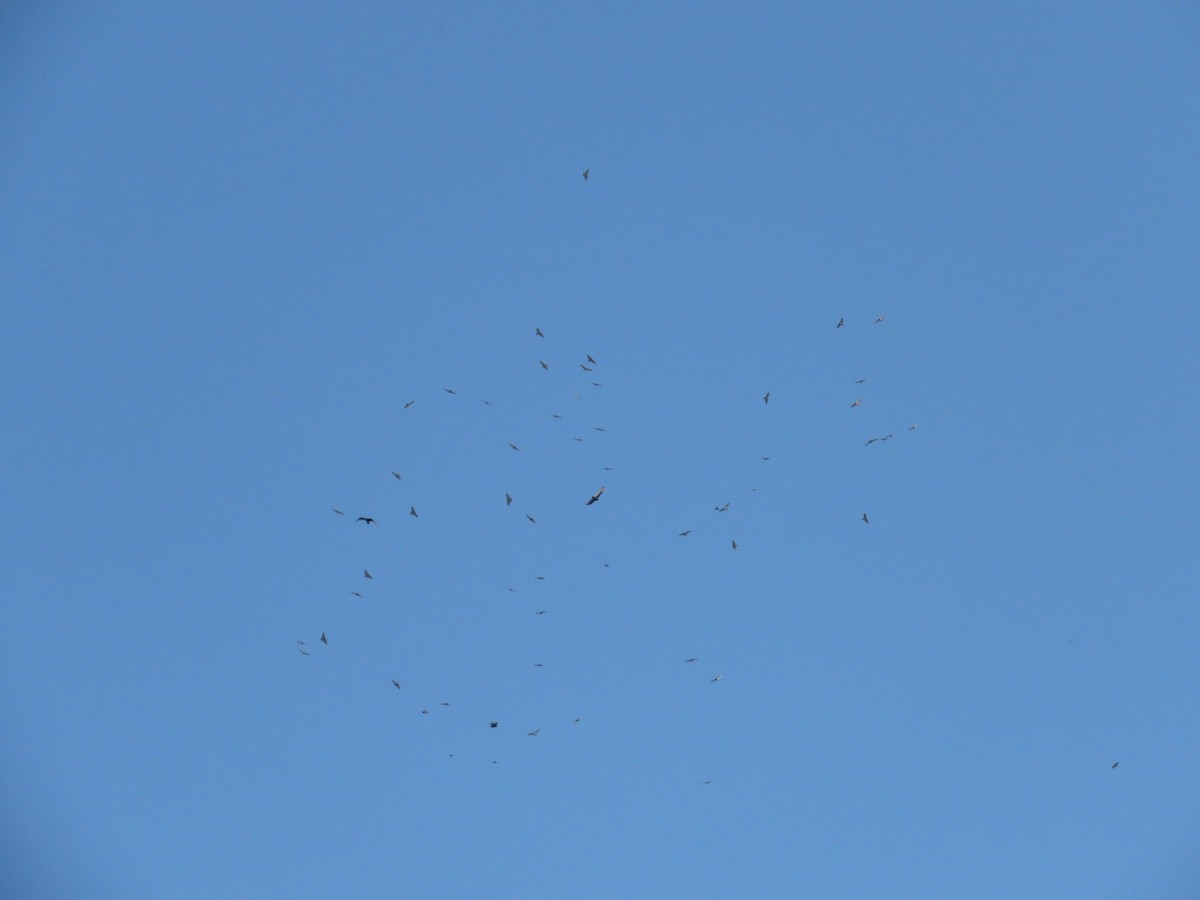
239,238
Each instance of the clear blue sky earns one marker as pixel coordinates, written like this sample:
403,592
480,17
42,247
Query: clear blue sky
237,241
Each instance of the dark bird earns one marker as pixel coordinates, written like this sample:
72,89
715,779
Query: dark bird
880,319
841,322
1114,765
539,577
412,511
865,519
913,427
531,518
507,499
336,510
586,172
734,544
767,397
857,402
589,358
366,519
555,416
693,659
514,446
396,684
542,363
367,574
595,497
765,458
707,782
714,679
324,640
871,441
494,725
685,533
356,594
579,439
424,712
396,475
585,368
598,428
303,652
578,719
608,468
887,437
538,665
534,733
597,384
301,642
861,381
409,403
512,589
721,508
449,391
443,703
540,612
538,332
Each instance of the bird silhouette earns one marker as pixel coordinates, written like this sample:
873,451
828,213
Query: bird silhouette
507,499
767,397
531,518
303,652
534,733
494,725
865,519
685,533
412,511
585,368
714,679
880,319
449,391
586,172
409,403
542,363
589,358
734,544
324,640
595,497
1114,765
396,684
514,446
840,323
396,475
693,659
336,510
366,519
538,332
356,594
540,612
913,427
367,574
857,402
721,508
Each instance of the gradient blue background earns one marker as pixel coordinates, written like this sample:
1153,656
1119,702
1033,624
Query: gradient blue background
237,240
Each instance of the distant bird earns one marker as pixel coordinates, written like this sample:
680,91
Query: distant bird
512,589
531,518
685,533
324,640
539,577
595,496
585,368
734,544
913,427
841,322
1114,765
540,612
366,519
412,511
555,416
538,332
336,510
693,659
865,519
598,428
449,391
888,437
578,719
396,684
714,679
424,712
367,574
303,652
871,441
707,782
539,665
409,403
586,172
487,402
579,440
542,363
767,397
514,446
765,458
494,725
589,358
534,733
507,499
301,642
880,319
396,475
861,381
356,594
857,402
608,468
443,703
597,384
721,508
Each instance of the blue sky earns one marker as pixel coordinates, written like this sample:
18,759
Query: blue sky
238,241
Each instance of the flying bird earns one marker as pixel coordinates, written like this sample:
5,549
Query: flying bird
324,640
336,510
693,659
880,319
507,499
861,381
531,518
356,594
538,665
857,402
870,442
301,642
685,533
767,397
595,497
539,577
449,391
409,403
589,358
366,519
714,679
597,384
721,508
598,428
578,719
396,475
586,172
534,733
494,725
367,574
865,519
540,612
542,363
424,712
707,782
734,544
514,446
443,703
585,368
538,332
1114,765
303,652
412,511
396,684
841,322
555,416
913,427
